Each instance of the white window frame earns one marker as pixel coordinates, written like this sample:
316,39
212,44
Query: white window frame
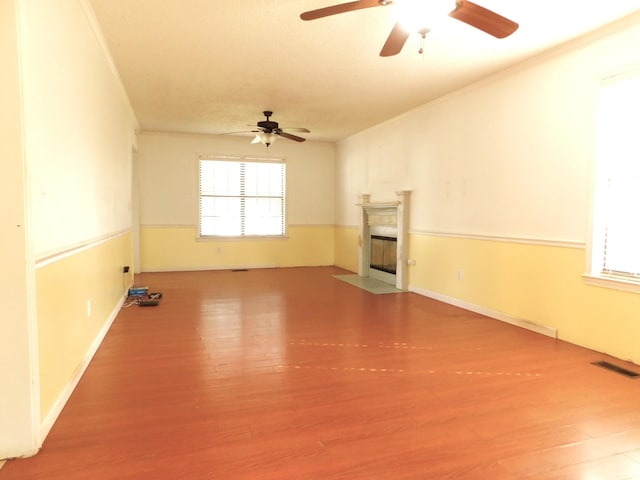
596,271
245,160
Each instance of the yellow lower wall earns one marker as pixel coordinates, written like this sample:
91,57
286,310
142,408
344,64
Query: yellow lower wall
66,328
539,283
347,246
177,248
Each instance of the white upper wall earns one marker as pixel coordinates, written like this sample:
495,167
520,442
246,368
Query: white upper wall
168,166
79,128
508,157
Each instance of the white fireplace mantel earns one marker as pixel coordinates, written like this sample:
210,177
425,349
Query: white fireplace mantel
392,219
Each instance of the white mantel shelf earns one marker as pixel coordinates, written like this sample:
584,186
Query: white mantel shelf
378,205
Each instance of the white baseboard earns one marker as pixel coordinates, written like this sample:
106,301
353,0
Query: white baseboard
206,268
64,396
487,312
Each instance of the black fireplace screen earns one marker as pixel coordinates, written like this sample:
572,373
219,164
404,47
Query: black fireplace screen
383,253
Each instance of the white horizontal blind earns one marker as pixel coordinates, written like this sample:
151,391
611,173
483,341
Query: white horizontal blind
242,198
619,174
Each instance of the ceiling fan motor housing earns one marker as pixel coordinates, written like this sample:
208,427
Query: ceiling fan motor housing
266,129
267,125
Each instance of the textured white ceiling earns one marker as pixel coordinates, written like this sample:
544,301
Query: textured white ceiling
213,66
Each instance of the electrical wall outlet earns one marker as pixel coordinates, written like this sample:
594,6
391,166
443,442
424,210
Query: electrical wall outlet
125,269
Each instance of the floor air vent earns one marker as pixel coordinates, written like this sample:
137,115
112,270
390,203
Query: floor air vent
617,369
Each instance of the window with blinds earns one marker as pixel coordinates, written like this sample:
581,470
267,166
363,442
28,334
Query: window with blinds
239,197
616,243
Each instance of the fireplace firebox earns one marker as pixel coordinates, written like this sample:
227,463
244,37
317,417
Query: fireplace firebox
384,253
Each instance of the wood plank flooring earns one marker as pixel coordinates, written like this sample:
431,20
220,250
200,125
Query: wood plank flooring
293,374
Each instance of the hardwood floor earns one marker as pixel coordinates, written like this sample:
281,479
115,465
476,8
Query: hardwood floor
293,374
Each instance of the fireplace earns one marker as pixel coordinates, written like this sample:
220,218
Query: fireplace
384,230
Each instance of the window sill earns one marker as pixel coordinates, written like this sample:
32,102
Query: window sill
616,283
243,238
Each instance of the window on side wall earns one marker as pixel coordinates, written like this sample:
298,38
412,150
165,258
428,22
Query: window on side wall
242,197
615,247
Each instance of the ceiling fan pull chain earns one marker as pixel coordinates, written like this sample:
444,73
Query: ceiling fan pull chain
423,34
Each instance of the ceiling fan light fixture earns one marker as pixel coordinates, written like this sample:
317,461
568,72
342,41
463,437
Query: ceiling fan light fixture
414,15
267,138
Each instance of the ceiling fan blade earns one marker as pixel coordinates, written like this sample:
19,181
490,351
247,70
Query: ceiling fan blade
483,19
294,129
295,138
241,131
342,8
395,41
